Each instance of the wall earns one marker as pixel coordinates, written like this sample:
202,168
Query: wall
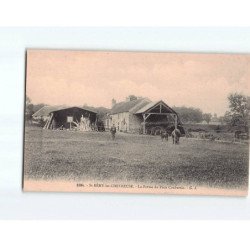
134,123
121,121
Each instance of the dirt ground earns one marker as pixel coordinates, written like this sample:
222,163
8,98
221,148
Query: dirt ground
82,156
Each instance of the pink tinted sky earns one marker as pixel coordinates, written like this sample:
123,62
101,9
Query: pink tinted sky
57,77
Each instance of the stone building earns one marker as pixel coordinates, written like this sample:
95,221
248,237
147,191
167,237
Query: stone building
140,115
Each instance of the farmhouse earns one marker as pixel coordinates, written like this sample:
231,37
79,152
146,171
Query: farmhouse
140,115
62,117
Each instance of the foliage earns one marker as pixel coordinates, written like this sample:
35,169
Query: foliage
239,110
207,117
189,114
132,97
36,107
31,108
28,108
101,111
238,104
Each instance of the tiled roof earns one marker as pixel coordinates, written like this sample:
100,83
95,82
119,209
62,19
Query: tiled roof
131,106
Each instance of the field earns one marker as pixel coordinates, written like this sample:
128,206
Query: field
83,156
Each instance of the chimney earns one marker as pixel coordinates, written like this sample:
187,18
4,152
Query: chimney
113,103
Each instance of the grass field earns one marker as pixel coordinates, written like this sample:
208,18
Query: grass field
94,156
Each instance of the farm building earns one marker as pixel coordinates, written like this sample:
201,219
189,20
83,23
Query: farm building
44,112
140,115
61,117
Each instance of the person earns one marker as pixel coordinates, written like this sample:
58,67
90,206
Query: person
176,134
113,131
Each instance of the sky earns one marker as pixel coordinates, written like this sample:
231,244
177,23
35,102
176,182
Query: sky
75,78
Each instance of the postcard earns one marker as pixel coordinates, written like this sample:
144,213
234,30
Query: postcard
136,122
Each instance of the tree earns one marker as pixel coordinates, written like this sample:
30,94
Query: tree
189,115
131,98
226,119
207,117
28,108
238,104
27,100
239,109
38,106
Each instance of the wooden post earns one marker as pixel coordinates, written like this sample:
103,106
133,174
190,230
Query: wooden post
144,124
50,121
175,121
46,124
145,117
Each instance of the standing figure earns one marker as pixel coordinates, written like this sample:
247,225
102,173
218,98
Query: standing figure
176,134
113,131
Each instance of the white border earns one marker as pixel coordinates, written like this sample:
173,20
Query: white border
17,205
124,13
124,235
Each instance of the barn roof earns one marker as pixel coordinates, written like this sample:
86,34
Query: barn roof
46,110
129,106
75,107
153,104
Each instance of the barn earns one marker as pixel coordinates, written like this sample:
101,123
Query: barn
140,115
62,117
44,112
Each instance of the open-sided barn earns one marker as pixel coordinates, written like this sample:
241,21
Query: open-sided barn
143,116
61,117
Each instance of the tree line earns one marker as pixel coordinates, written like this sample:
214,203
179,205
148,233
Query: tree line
237,114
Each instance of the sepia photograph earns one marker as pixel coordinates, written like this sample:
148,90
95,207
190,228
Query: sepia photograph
136,122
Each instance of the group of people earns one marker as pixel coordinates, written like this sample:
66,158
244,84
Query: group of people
176,134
